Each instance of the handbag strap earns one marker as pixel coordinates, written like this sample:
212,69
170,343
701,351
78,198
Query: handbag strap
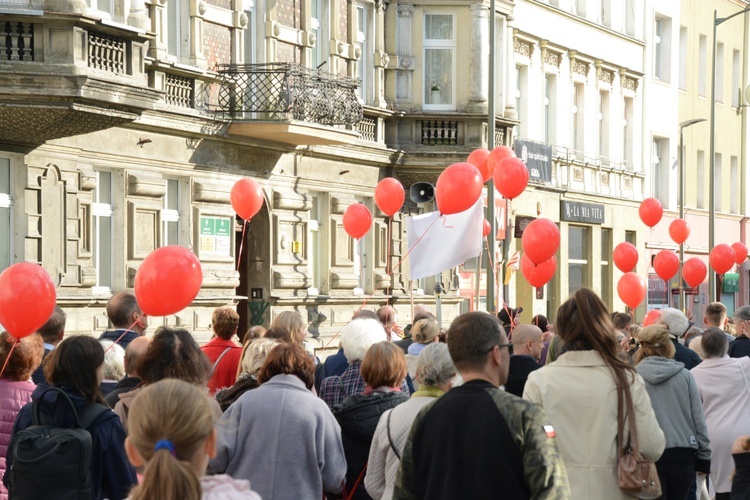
218,360
624,393
388,431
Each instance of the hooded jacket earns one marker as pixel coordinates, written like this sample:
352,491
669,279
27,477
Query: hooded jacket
679,411
111,472
358,417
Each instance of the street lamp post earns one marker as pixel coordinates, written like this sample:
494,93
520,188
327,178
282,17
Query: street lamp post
683,126
712,151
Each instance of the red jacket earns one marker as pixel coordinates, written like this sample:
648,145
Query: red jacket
225,373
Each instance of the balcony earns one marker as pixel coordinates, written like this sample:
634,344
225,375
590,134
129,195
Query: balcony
66,74
287,103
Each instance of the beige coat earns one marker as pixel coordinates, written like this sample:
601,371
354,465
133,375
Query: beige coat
579,395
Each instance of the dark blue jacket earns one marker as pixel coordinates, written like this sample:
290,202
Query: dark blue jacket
126,339
38,375
686,356
112,474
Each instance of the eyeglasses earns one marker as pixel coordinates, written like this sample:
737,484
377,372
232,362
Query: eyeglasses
508,345
690,325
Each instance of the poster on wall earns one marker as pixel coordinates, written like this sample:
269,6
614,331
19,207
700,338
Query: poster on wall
216,236
537,157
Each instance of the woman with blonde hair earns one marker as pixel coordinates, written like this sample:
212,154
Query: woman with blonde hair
579,393
253,356
293,323
174,446
677,404
384,370
424,332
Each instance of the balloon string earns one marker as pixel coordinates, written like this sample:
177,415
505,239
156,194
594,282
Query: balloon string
242,243
15,342
129,329
388,256
415,244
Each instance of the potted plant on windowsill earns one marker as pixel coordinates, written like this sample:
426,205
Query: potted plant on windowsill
435,97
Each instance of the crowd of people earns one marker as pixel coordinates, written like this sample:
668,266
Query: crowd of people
490,408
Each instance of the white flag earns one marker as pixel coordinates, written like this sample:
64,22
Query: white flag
446,242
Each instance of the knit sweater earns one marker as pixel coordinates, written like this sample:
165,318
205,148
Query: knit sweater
679,411
383,463
283,439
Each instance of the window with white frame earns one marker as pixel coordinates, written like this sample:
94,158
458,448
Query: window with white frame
606,268
719,72
6,205
248,7
439,61
736,79
603,117
363,64
320,28
580,7
700,180
170,214
660,177
522,74
683,58
627,129
314,247
178,30
630,17
718,171
734,185
578,257
550,92
662,48
607,13
702,65
578,116
102,212
106,7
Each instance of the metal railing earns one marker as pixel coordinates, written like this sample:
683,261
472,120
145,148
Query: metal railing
283,91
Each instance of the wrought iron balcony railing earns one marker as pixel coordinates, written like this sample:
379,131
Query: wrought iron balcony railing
284,91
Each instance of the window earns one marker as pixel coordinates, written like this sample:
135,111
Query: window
170,214
103,6
719,72
578,117
683,58
102,212
177,30
6,204
734,186
630,237
700,180
580,7
248,6
660,160
606,256
627,130
319,24
603,123
717,181
439,50
362,64
736,79
702,66
662,35
578,257
521,85
550,90
314,247
630,17
607,13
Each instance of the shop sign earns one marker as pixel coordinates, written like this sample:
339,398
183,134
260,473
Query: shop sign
730,283
216,237
576,211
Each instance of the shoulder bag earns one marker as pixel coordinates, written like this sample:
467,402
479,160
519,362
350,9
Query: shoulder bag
635,474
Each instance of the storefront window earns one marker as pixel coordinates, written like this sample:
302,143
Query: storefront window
606,291
578,255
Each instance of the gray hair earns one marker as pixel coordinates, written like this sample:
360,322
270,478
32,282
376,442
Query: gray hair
435,366
255,354
675,321
358,335
114,360
742,314
714,343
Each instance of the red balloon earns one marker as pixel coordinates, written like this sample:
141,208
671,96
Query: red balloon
721,258
497,155
694,271
538,275
478,158
740,253
389,196
511,177
625,256
666,264
458,188
651,211
246,198
486,228
651,317
357,220
27,298
168,280
632,289
679,230
540,240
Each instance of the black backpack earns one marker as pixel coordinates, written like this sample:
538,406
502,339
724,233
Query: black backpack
53,462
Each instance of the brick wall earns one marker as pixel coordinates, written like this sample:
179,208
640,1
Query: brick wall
343,16
288,53
224,4
217,45
288,13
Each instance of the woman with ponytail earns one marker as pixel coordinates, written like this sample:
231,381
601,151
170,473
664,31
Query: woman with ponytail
174,445
579,394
